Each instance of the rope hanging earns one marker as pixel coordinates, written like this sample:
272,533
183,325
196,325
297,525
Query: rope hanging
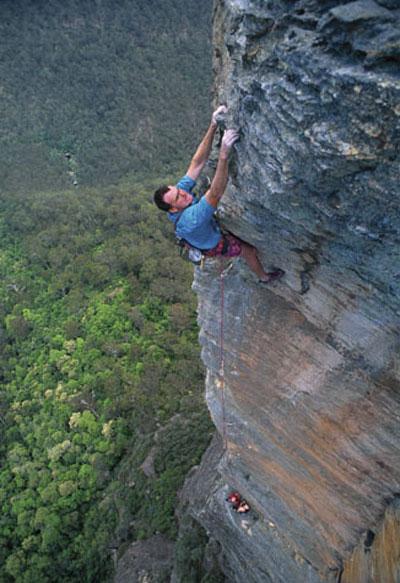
221,352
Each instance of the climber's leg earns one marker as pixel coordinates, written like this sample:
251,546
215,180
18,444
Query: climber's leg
249,253
232,246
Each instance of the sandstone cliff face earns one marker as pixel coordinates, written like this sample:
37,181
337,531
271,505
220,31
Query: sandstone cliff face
312,368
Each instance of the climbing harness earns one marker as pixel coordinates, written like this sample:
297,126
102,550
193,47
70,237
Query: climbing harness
191,253
196,255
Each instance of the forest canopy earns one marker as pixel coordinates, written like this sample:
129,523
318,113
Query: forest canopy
119,85
101,400
99,353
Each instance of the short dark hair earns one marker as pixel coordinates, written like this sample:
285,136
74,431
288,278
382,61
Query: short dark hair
159,200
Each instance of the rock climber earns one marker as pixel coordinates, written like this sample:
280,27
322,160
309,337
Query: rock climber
243,507
234,500
238,503
194,218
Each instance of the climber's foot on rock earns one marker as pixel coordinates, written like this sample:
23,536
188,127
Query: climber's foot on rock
272,276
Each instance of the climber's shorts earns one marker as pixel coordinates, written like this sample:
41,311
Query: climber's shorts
228,246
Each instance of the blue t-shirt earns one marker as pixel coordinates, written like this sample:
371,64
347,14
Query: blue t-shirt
197,224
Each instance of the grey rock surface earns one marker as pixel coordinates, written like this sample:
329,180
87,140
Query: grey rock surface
147,561
312,371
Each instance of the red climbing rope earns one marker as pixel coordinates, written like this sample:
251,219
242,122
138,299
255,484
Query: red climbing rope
221,355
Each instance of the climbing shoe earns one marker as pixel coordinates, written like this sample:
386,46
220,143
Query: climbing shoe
272,276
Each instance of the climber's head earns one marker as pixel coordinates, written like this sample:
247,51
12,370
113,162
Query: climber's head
172,198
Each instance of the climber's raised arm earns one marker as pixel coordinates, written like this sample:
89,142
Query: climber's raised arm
193,217
218,185
203,151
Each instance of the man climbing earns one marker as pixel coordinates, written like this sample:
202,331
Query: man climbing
238,503
194,219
